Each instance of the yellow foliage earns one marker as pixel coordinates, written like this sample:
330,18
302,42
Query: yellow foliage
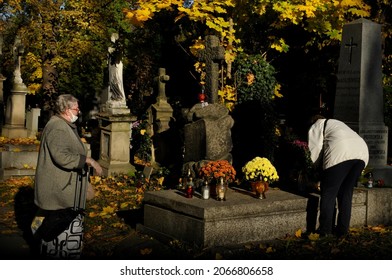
228,96
146,251
298,233
277,91
269,250
34,87
118,225
160,181
95,180
124,205
314,236
197,46
316,16
19,181
278,133
280,45
218,256
108,210
93,214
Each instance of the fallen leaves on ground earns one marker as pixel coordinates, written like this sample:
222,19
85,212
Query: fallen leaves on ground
106,229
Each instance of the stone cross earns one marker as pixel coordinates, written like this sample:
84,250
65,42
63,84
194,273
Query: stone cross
350,47
162,112
212,55
160,115
162,79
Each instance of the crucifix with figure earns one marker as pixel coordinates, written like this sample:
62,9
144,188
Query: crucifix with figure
212,55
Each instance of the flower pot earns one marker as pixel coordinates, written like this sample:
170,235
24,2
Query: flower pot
259,188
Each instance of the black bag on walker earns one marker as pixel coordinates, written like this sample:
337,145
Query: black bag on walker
55,222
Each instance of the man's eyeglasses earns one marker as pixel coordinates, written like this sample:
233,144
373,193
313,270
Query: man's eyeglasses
75,109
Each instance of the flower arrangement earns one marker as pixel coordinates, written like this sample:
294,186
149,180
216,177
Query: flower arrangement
216,169
260,169
303,149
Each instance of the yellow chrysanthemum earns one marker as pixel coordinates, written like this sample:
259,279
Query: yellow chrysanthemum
260,168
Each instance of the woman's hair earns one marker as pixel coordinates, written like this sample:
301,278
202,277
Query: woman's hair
312,119
316,118
64,102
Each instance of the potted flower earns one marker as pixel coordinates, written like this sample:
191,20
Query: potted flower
219,173
212,171
260,172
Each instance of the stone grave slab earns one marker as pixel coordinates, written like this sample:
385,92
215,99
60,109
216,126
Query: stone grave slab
240,219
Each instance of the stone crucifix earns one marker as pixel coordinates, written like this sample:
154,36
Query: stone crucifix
212,55
161,111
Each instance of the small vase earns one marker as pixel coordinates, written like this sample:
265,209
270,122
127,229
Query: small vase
259,188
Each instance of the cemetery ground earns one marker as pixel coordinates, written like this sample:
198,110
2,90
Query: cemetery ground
111,230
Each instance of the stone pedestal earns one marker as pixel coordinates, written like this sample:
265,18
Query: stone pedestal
162,114
208,133
115,143
15,113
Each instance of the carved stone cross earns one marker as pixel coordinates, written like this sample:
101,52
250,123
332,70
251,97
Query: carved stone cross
350,47
162,79
212,55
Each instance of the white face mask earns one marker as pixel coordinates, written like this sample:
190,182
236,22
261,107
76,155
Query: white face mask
73,118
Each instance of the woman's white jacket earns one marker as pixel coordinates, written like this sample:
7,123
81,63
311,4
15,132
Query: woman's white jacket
341,143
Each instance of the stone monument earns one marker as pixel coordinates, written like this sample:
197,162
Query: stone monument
115,118
160,115
359,92
15,115
212,55
114,95
208,131
162,110
32,116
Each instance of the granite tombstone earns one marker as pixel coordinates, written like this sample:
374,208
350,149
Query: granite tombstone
359,93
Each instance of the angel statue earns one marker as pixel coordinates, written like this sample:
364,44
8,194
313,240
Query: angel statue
116,86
